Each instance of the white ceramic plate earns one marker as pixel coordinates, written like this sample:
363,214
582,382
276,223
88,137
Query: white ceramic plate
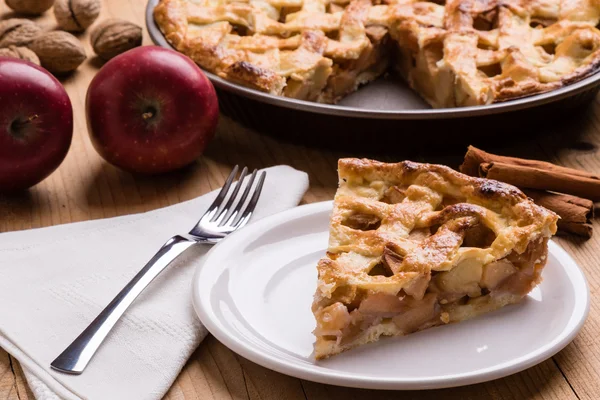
255,289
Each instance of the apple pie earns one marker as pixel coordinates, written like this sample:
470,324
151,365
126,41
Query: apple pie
453,53
413,246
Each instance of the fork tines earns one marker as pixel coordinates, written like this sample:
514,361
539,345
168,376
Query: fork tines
236,211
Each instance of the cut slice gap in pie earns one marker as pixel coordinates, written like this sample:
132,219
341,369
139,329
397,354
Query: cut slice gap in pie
414,246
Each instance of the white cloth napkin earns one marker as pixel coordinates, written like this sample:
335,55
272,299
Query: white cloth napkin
54,281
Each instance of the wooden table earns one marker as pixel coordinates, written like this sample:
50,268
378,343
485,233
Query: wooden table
85,187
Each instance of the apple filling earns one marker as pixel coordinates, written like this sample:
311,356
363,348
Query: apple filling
348,74
468,289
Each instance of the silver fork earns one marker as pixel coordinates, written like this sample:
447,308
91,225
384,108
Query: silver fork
222,218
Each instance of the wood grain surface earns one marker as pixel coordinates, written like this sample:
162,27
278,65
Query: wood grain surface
85,187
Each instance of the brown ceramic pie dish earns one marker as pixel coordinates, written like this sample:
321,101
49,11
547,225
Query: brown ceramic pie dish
387,115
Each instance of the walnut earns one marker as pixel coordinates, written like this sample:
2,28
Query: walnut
32,7
59,52
115,36
17,32
76,15
20,52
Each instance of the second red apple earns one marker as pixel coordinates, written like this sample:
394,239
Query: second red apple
151,110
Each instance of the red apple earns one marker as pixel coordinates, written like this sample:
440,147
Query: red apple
151,110
36,124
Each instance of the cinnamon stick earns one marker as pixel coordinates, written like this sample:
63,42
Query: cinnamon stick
575,213
556,180
475,157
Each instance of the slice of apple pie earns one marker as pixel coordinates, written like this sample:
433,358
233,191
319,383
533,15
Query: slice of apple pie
418,245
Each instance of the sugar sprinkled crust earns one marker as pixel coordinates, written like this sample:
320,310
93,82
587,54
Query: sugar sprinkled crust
459,53
417,245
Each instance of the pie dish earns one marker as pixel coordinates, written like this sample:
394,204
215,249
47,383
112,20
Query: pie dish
413,246
461,53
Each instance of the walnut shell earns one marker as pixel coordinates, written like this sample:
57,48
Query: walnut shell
115,36
59,52
76,15
32,7
20,52
17,32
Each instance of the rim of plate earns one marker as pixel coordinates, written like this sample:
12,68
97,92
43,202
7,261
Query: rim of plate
337,110
316,373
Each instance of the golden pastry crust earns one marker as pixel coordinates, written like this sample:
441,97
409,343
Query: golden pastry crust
480,52
461,53
246,42
410,236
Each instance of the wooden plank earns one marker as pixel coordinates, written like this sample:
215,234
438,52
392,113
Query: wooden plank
8,385
23,390
543,385
540,382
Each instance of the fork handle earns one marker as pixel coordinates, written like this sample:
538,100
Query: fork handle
75,358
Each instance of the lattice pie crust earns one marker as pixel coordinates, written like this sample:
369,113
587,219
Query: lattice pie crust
453,53
413,246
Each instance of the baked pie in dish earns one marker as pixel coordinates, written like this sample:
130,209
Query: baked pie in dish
413,246
453,53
